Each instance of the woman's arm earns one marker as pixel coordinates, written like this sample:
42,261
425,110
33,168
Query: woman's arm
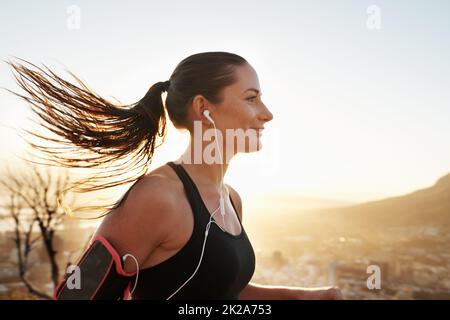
136,229
267,292
263,292
142,221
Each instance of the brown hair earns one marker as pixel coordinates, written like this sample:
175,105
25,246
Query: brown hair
113,131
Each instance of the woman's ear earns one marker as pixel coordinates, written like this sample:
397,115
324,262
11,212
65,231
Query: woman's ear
199,105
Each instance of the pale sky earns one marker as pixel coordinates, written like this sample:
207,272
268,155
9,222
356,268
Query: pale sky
359,114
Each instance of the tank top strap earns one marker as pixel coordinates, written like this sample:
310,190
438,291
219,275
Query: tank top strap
189,188
194,194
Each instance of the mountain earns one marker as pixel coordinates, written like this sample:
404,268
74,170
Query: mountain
292,201
429,206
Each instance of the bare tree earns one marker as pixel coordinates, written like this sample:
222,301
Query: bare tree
33,205
24,241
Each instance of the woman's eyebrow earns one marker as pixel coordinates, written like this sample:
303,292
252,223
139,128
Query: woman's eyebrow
252,89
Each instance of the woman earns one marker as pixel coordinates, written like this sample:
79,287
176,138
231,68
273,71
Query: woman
160,224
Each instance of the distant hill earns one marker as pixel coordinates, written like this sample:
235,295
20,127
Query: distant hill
429,206
289,201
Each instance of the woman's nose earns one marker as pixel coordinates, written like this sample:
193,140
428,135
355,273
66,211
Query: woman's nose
266,115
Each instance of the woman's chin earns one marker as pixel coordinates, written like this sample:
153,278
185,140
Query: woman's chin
255,148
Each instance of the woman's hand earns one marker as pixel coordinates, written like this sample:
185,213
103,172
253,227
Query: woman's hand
323,293
333,293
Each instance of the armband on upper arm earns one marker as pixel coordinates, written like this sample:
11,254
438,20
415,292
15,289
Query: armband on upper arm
101,275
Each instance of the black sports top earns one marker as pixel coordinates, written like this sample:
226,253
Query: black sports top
227,266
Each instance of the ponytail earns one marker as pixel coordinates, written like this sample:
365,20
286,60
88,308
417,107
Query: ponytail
151,108
84,121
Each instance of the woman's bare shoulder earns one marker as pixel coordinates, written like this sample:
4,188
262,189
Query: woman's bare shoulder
162,183
153,196
146,216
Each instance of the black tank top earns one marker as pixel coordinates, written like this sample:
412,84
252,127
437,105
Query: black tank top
227,266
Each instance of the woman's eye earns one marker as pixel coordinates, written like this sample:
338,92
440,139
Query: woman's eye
251,98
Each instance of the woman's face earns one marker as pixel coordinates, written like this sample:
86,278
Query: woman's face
242,108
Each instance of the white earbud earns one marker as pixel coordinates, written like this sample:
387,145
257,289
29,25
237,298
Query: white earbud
207,116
